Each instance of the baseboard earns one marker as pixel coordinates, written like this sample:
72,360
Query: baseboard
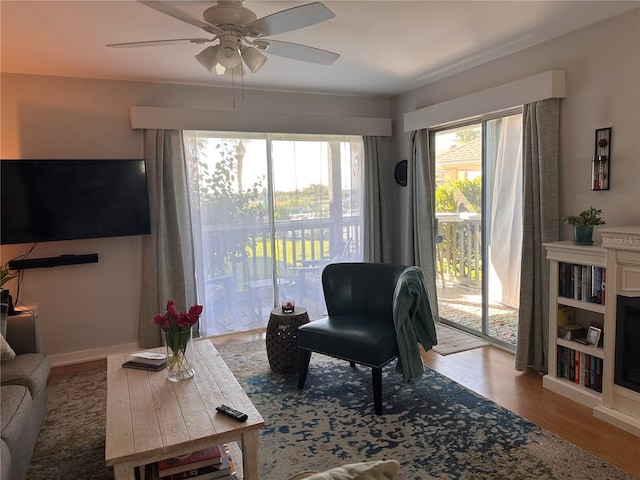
61,359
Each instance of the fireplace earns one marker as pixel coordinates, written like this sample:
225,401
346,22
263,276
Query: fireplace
627,353
621,372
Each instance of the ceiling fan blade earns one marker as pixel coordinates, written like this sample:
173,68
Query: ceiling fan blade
288,20
152,43
174,12
301,52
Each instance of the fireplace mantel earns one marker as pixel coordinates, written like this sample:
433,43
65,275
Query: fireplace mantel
620,406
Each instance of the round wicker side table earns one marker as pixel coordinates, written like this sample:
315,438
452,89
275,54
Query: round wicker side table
282,339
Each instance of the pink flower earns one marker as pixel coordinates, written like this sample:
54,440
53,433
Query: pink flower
184,320
171,310
195,312
181,320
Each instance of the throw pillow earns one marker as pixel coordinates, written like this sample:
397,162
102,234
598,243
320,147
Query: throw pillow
6,352
377,470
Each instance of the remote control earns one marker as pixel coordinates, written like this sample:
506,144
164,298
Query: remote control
235,414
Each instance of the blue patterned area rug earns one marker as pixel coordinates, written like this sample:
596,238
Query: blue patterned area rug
434,427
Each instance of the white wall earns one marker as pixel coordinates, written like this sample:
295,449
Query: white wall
602,64
94,307
90,310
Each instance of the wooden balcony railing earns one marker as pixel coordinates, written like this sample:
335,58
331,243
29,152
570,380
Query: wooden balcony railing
459,249
246,251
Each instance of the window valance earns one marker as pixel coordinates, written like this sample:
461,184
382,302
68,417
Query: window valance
164,118
550,84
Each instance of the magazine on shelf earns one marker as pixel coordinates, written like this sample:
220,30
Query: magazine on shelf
149,358
200,458
147,361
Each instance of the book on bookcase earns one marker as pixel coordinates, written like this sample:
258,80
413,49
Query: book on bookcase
580,368
582,282
207,457
566,316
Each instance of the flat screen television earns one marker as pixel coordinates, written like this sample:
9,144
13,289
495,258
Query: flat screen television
49,200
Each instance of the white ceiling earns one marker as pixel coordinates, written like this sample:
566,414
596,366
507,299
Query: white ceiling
386,47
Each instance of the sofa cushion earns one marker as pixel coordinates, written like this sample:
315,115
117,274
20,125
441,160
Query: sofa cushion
29,370
6,352
5,461
15,407
376,470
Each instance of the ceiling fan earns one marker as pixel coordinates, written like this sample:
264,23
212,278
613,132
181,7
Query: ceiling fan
239,35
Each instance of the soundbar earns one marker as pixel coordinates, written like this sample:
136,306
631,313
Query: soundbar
49,262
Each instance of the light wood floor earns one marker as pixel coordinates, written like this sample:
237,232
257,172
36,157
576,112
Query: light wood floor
490,372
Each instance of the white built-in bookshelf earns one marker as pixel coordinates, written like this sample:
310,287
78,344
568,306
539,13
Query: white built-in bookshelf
577,296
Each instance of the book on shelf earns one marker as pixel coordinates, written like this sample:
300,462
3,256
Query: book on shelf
194,460
566,316
582,282
212,472
580,368
144,366
231,464
147,361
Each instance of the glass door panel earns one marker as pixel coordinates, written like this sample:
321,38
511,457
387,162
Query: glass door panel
268,212
458,154
479,239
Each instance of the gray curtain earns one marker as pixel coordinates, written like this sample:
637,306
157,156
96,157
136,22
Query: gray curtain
540,225
421,246
168,271
375,248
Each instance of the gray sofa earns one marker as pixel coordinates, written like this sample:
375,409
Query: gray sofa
23,391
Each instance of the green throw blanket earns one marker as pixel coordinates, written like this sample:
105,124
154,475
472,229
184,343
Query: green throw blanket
413,321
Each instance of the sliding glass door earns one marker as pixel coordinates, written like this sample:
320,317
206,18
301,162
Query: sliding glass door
270,210
478,208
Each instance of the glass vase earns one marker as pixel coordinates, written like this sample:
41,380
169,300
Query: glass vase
179,353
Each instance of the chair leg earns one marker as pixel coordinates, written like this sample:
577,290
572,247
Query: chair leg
305,358
376,374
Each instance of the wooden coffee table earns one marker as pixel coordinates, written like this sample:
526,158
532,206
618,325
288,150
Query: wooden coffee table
150,418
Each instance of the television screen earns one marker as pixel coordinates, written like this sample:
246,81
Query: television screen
47,200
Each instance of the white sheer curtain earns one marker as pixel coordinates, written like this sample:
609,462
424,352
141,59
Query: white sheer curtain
505,242
268,212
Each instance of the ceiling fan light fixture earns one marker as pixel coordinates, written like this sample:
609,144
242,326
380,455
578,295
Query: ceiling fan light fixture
261,44
228,53
208,57
235,72
253,58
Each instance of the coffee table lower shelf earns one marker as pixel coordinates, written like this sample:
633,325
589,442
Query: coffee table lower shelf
150,471
150,418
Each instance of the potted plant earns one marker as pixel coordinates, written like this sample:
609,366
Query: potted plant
5,276
583,224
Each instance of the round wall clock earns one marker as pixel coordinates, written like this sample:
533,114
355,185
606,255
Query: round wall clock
400,173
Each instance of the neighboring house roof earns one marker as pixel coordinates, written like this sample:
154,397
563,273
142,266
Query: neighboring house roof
470,152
